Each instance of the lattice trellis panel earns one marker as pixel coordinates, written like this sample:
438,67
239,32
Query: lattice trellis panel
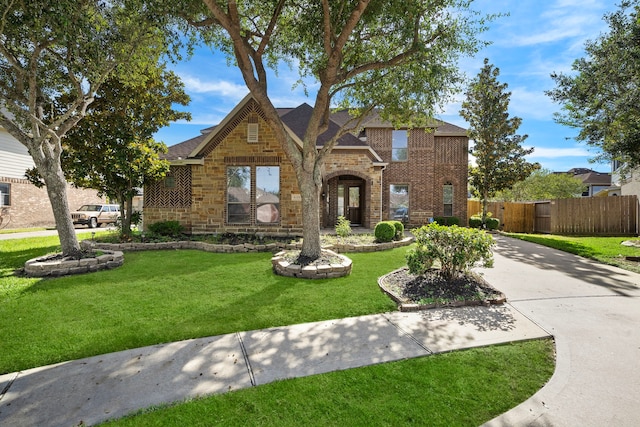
158,195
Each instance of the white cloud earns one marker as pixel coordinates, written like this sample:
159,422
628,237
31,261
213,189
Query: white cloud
218,87
564,20
552,152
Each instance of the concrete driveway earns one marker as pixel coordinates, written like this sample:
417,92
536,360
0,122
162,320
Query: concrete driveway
593,311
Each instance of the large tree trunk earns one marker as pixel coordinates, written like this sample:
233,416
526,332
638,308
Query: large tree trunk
126,213
57,190
310,192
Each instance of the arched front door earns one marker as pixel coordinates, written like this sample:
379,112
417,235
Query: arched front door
345,196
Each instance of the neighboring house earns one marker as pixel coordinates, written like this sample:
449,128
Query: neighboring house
22,204
235,177
626,184
595,182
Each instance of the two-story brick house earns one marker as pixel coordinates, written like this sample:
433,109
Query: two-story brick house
235,177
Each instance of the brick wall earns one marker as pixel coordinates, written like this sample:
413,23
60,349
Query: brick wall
30,206
432,162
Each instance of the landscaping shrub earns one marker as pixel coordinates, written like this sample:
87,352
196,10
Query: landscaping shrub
447,220
166,228
399,226
491,223
343,227
457,249
385,231
475,222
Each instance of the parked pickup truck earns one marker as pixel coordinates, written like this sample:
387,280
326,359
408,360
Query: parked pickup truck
96,215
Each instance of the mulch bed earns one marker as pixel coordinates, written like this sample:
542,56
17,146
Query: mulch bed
431,290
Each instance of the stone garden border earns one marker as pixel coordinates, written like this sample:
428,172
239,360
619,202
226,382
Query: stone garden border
246,247
113,257
283,267
48,267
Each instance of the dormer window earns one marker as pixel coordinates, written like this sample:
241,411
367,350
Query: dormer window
252,129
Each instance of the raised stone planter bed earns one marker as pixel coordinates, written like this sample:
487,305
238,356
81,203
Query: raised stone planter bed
44,266
405,305
283,267
246,247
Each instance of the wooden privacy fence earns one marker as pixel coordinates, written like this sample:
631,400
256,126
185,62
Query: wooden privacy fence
594,216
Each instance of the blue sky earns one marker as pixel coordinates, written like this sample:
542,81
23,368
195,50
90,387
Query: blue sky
537,38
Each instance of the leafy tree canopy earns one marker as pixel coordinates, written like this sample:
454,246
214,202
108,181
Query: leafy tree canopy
601,97
497,148
543,184
66,49
396,55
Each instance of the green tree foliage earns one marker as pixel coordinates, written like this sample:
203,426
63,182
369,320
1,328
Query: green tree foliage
65,47
118,130
396,55
543,184
457,249
497,148
601,97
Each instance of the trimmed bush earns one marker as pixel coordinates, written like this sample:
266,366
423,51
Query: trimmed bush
475,222
447,220
385,231
457,249
399,226
493,223
166,228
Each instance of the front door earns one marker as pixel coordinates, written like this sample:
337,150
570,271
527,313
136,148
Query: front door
350,202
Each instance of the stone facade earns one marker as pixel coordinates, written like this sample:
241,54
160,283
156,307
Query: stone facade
206,210
29,205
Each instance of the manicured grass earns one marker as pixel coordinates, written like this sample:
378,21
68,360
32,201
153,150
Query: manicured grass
20,230
465,388
607,250
163,296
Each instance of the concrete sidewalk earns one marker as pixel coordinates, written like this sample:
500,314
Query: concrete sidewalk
95,389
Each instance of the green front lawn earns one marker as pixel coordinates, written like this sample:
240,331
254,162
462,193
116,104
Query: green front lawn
606,250
163,296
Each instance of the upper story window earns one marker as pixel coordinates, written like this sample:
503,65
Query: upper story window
5,194
447,199
399,146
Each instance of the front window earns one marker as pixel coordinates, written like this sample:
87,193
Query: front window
239,194
267,194
447,199
399,202
264,201
399,146
5,194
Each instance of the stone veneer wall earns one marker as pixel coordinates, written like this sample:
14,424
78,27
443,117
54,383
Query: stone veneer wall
30,205
357,163
206,212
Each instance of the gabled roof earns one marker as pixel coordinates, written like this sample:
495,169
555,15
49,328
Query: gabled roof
298,118
295,121
373,120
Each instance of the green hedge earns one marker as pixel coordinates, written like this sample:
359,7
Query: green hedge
385,231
